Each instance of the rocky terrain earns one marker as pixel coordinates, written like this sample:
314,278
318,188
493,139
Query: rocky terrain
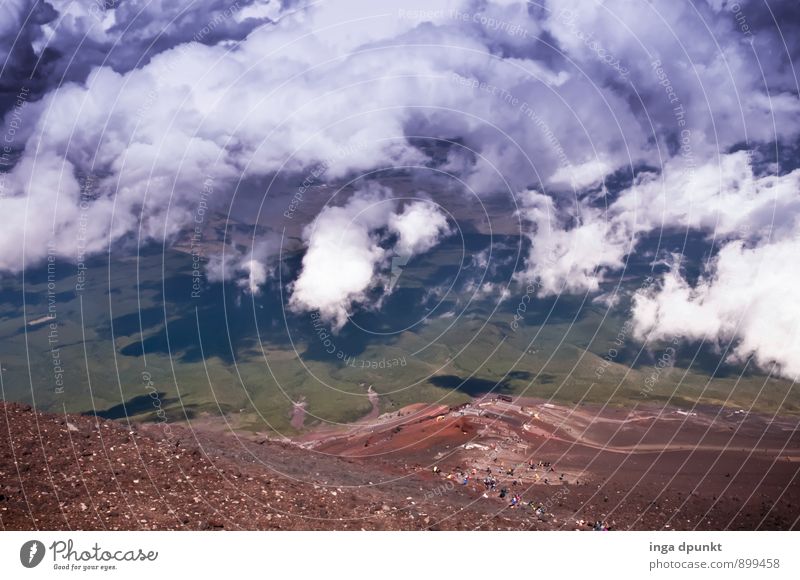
489,465
79,472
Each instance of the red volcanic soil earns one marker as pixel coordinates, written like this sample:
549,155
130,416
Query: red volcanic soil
647,468
488,465
414,428
79,472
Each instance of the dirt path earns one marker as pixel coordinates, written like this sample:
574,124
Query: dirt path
298,413
373,399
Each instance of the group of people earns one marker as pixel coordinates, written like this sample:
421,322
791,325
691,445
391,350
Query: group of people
491,482
503,482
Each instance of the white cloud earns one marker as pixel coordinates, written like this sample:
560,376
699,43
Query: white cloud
581,176
344,255
248,267
256,276
576,247
748,296
708,62
419,227
570,259
477,291
724,197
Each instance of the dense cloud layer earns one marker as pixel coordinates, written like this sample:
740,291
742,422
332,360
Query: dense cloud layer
116,116
45,44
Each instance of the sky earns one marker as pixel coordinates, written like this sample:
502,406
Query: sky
605,122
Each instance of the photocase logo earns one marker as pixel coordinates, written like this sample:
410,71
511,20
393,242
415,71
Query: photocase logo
31,553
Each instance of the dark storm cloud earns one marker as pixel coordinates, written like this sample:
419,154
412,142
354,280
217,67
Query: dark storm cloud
20,26
45,44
